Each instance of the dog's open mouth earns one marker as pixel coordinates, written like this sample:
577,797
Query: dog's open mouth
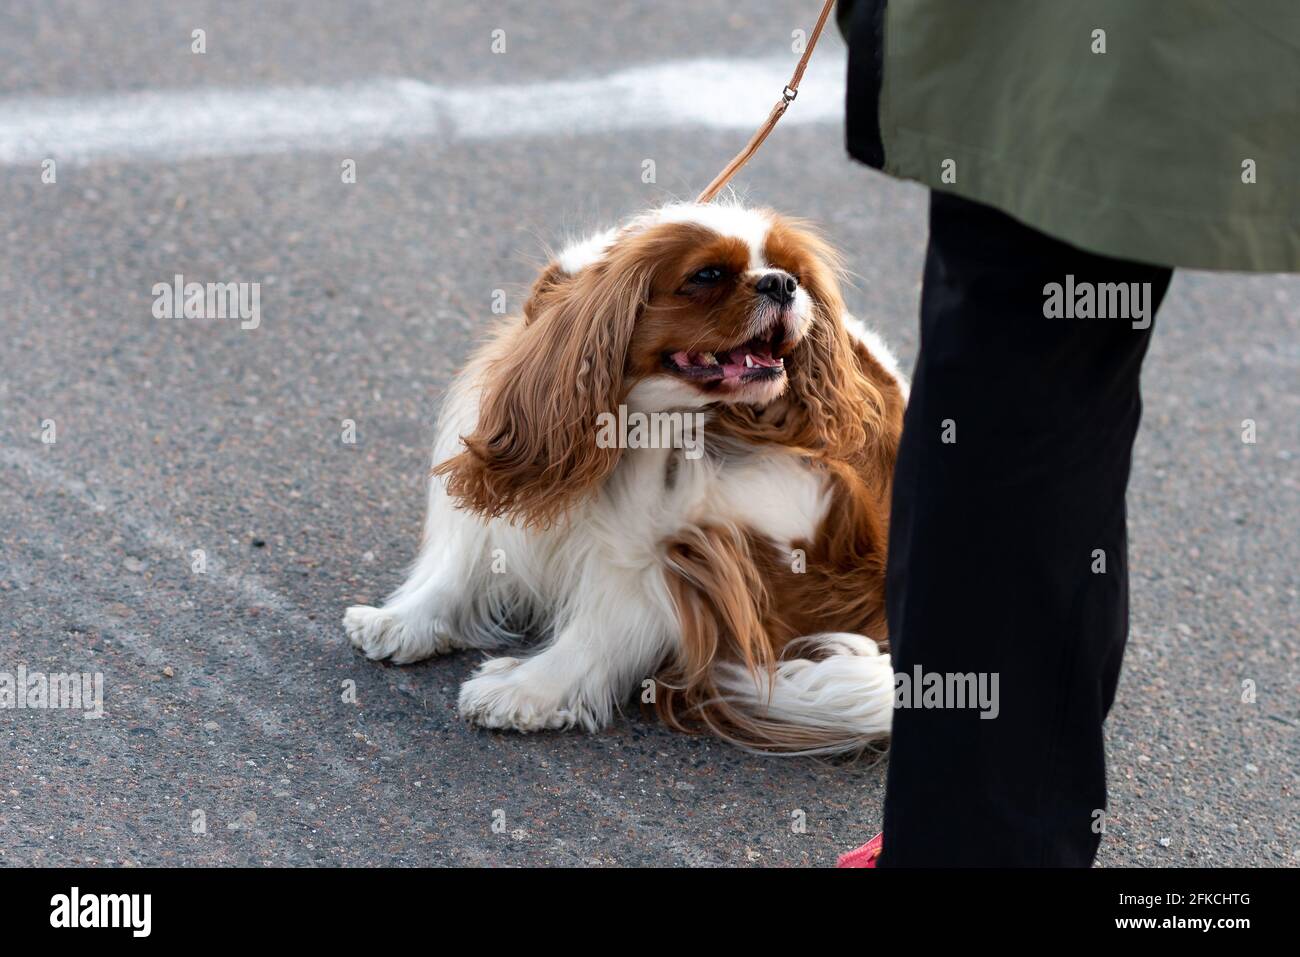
752,361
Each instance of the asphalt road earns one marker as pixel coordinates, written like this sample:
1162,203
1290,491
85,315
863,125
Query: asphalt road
225,689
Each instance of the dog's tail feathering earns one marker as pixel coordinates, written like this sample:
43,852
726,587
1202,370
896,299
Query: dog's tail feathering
832,694
836,696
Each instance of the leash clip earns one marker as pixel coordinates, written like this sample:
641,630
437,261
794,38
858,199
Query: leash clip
788,93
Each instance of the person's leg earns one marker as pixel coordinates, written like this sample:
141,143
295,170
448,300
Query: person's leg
1007,546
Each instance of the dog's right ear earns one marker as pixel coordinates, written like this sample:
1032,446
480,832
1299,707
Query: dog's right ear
544,288
534,450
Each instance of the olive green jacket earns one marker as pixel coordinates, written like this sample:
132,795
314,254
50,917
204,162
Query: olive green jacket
1165,131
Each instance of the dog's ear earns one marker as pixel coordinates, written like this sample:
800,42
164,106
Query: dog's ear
544,287
534,451
847,398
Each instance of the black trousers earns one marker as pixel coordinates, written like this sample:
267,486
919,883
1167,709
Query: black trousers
1007,553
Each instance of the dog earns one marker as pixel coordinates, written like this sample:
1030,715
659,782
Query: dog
725,562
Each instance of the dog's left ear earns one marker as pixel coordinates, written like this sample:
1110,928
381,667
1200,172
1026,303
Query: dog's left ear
842,408
534,452
544,287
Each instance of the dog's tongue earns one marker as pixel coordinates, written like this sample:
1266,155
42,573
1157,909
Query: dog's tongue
731,365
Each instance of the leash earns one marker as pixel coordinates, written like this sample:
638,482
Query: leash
787,97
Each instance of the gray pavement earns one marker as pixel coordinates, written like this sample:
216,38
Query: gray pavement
225,689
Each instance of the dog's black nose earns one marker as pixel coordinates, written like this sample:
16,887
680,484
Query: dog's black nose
778,286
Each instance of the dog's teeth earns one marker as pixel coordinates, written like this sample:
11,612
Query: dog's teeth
709,359
749,361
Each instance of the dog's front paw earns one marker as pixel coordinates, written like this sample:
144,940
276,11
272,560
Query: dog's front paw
382,634
507,693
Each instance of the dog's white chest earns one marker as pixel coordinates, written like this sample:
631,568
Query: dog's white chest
655,493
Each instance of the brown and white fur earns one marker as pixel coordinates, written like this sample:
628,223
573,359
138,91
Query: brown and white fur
747,582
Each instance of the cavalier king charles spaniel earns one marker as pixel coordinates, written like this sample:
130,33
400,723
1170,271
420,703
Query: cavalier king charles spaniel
674,470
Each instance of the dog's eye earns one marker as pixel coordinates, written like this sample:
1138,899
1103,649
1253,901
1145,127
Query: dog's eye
707,276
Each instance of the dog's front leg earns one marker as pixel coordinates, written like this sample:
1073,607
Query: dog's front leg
616,631
452,597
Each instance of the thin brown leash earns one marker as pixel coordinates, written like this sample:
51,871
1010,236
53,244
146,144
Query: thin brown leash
787,97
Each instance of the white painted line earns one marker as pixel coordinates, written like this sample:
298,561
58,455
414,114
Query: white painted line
186,124
267,722
246,584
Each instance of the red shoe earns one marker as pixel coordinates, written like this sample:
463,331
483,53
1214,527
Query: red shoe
864,856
